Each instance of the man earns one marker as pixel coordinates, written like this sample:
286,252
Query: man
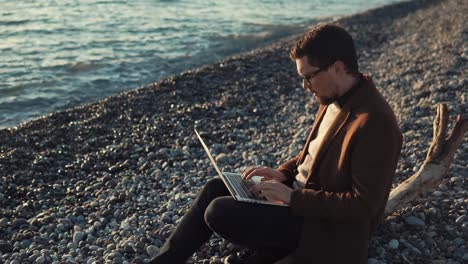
337,187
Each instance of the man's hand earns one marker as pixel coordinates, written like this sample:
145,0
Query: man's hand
272,191
266,173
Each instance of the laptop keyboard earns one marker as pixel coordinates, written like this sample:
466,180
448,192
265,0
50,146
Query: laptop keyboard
242,186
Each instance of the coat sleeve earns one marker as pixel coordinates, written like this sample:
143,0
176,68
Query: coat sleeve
373,163
289,169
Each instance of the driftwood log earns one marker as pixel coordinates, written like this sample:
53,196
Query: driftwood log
437,163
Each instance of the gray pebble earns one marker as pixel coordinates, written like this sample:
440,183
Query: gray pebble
25,243
138,260
460,219
125,226
3,222
94,248
465,257
458,241
170,205
40,260
19,222
221,158
152,251
5,247
414,221
78,236
393,244
61,227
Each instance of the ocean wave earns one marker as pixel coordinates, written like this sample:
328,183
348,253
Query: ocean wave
15,89
14,22
262,35
82,67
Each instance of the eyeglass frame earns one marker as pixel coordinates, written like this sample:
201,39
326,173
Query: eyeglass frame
306,79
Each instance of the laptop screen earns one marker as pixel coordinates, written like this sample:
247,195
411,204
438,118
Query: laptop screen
209,155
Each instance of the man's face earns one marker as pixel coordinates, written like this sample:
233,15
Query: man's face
317,81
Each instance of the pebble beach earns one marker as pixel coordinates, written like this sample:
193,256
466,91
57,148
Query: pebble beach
107,182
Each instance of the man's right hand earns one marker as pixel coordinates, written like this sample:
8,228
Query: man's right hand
267,173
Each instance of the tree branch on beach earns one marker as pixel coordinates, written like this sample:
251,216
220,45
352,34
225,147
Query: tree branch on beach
439,157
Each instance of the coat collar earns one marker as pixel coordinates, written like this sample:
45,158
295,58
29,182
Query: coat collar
345,97
353,98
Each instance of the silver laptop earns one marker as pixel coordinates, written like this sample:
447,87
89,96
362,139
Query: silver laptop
238,187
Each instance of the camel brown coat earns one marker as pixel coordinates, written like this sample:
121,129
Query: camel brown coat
349,182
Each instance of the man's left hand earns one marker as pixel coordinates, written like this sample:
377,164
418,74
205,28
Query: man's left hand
273,191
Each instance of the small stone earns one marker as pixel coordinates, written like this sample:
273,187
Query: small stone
152,251
437,193
125,227
393,244
3,222
79,259
71,246
454,179
458,241
221,158
19,222
114,168
186,163
166,217
460,219
432,211
372,261
40,260
110,246
138,260
71,261
465,257
94,248
170,205
78,236
230,246
414,221
61,227
5,247
71,199
25,243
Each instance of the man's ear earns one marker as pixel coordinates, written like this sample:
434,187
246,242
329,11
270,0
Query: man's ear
339,67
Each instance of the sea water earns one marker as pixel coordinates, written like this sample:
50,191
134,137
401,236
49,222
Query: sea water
57,54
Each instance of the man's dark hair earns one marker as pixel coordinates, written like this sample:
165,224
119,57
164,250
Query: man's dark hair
324,44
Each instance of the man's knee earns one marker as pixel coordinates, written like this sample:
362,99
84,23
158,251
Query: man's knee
215,184
215,187
217,213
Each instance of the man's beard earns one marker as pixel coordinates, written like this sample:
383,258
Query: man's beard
324,100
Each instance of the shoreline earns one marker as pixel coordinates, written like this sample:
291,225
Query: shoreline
107,181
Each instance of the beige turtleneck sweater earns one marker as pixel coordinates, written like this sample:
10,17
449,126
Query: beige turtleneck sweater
303,169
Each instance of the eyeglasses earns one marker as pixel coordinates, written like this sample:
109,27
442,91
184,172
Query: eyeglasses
306,79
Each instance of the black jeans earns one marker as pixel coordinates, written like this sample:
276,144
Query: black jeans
255,226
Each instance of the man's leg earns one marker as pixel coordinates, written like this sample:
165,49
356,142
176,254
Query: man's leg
270,230
191,232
